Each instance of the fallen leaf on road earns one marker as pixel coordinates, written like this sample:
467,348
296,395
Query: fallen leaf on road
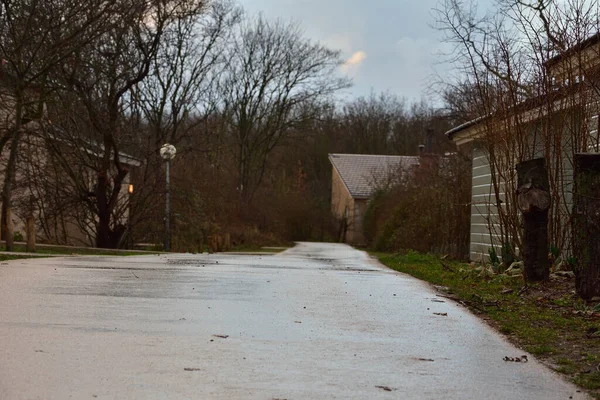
298,322
386,388
192,369
221,336
437,301
442,314
523,358
426,359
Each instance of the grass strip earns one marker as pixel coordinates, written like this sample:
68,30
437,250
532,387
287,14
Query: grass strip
66,250
546,319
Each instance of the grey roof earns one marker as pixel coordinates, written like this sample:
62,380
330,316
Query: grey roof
362,172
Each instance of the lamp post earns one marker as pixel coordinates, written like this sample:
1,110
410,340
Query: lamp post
167,152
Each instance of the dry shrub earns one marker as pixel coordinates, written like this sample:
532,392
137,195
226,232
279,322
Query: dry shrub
428,212
306,219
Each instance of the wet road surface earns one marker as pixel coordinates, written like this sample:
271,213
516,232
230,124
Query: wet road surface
320,321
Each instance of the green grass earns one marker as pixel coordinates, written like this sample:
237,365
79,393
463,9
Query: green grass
5,257
546,320
63,250
249,248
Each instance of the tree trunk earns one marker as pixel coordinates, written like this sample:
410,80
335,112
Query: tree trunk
107,198
103,231
30,227
586,224
9,229
10,173
534,202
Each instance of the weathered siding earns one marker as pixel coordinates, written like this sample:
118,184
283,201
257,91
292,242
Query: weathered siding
484,213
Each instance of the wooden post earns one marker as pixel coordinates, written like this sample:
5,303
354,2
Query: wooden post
586,224
219,243
30,227
227,242
534,202
9,240
212,244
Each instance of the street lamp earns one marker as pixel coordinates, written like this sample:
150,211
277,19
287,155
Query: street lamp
167,152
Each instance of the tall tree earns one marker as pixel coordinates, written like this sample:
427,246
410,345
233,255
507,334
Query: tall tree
173,104
272,72
35,37
102,76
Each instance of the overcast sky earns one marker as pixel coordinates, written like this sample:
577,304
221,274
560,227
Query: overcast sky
388,44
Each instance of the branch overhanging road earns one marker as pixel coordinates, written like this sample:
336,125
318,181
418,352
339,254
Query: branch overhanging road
320,321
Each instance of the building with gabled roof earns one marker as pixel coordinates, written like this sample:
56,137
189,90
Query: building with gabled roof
355,178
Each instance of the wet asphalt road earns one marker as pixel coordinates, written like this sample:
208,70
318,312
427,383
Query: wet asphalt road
319,321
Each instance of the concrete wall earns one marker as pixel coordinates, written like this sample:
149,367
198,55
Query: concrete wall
342,204
360,208
344,207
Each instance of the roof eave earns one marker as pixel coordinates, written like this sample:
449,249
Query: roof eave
466,132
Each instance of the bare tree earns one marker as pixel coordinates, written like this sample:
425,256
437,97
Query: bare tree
174,102
178,92
272,72
99,80
369,122
35,37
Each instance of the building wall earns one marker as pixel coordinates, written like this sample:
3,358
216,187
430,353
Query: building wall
360,208
485,228
345,208
484,213
342,204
